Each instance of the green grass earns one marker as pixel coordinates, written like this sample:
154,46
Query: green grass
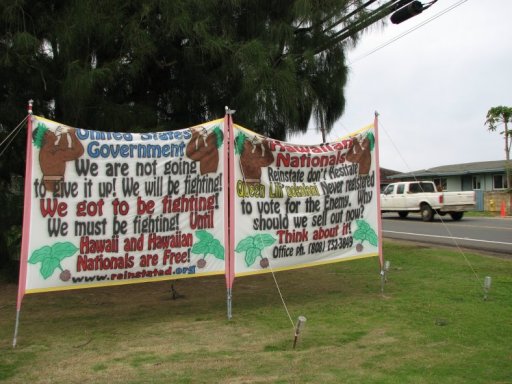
430,326
481,214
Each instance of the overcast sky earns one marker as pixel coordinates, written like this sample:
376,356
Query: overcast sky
433,87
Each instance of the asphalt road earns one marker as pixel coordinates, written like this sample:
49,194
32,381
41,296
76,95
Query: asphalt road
492,235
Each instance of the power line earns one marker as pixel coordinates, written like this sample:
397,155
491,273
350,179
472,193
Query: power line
10,137
437,15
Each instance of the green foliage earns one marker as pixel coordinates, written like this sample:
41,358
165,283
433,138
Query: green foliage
134,66
371,138
38,134
219,135
10,230
10,249
13,240
498,115
208,245
502,115
253,245
51,256
239,142
365,232
251,255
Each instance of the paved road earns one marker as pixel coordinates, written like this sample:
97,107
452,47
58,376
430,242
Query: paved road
492,235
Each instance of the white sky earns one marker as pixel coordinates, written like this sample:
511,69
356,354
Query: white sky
433,87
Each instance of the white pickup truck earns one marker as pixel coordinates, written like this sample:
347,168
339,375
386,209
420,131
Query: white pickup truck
422,196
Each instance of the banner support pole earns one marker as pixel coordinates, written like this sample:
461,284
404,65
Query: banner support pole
379,215
230,303
16,326
228,207
22,280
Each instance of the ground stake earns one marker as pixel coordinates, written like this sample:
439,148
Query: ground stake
487,286
300,323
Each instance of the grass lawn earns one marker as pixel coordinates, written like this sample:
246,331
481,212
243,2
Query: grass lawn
430,326
481,214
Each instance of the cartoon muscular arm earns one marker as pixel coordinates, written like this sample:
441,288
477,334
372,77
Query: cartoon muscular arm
360,153
56,148
68,143
203,147
255,154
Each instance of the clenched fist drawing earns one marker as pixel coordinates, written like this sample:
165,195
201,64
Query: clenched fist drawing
254,154
56,147
203,147
361,153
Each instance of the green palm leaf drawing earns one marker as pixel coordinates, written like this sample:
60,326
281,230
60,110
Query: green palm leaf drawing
51,256
365,232
253,245
208,245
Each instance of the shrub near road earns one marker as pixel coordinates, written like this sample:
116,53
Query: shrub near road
431,326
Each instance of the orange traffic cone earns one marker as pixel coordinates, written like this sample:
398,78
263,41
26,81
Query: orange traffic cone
502,212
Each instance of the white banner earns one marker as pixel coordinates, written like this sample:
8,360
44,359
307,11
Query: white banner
303,205
116,208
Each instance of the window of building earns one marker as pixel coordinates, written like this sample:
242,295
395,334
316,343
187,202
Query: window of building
441,183
499,182
477,182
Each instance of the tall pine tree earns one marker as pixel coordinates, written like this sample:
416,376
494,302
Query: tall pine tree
129,65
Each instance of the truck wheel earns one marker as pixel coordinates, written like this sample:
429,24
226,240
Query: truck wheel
427,214
456,216
403,214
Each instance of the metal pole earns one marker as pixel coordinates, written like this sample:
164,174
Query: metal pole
16,328
26,220
382,280
230,304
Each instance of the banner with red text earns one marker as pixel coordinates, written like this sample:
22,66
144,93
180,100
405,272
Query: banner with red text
117,208
303,205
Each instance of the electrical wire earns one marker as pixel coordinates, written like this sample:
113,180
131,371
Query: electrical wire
437,15
445,226
10,137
